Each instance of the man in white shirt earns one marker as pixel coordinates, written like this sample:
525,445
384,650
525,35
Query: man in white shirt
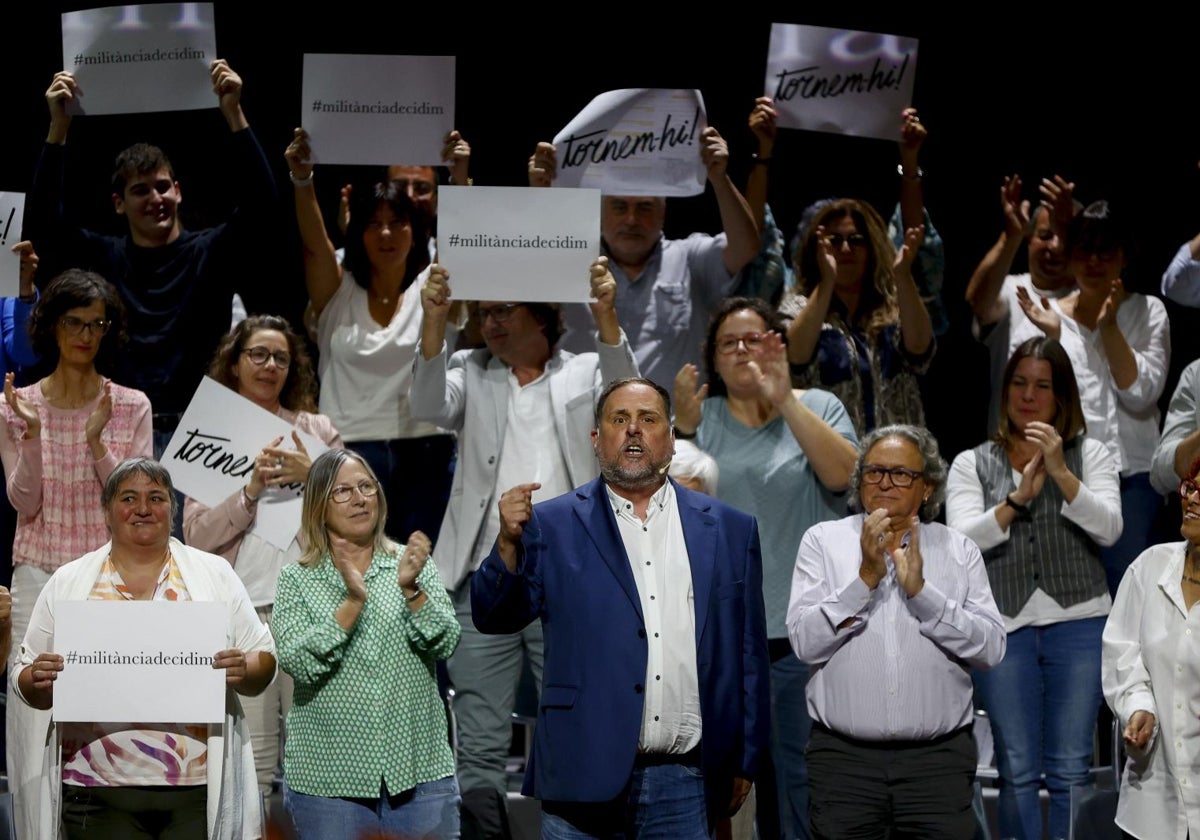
523,412
655,704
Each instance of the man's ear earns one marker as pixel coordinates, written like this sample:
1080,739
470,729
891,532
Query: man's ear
118,204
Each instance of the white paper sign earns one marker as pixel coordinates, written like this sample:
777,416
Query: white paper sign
211,455
140,661
518,243
639,141
137,59
12,209
378,109
840,80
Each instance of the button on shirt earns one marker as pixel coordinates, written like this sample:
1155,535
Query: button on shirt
900,670
659,560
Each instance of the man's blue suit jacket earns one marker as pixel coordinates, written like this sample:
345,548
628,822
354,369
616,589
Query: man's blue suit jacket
575,576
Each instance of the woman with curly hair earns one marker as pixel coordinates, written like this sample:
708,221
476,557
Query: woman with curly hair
859,327
265,362
65,436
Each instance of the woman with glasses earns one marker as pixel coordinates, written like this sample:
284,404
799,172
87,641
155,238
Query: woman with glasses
65,435
858,325
368,315
360,623
1040,500
784,456
1151,667
265,362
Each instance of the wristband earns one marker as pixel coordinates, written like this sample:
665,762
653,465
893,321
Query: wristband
300,182
416,594
1019,508
900,171
683,435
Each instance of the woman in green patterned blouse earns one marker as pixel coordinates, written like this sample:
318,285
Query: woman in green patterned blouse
359,624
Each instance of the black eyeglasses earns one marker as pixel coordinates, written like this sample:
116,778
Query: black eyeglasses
345,492
854,240
1187,487
75,326
499,313
727,344
899,476
259,356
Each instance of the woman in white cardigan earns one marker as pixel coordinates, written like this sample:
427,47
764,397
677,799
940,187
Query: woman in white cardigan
205,773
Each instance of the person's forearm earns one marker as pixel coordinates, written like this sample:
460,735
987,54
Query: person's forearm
757,182
433,336
608,328
912,196
805,328
741,233
347,613
983,290
915,326
831,455
1122,363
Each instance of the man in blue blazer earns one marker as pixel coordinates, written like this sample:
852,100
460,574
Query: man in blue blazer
655,698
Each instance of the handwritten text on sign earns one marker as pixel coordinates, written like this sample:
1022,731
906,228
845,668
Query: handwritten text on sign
639,141
12,208
518,244
139,661
378,109
212,455
139,59
840,80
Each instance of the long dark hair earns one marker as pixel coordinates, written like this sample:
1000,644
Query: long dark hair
364,202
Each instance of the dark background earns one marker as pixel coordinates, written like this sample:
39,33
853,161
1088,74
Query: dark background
1108,102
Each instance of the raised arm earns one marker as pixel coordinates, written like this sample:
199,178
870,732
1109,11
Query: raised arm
915,325
805,328
831,454
983,289
824,612
912,197
322,274
762,125
741,233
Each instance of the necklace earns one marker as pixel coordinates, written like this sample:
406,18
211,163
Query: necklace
1191,579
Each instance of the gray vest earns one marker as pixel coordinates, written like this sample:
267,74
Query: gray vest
1044,550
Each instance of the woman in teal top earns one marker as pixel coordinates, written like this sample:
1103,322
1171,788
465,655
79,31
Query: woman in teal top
785,457
360,623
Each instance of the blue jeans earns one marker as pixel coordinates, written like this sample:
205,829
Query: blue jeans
664,802
428,810
1042,702
415,474
1140,504
790,730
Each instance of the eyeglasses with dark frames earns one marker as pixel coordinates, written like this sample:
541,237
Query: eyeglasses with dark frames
901,477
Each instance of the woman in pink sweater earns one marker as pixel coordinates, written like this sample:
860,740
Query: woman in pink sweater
64,435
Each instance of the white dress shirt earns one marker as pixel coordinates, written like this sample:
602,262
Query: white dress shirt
901,669
659,560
